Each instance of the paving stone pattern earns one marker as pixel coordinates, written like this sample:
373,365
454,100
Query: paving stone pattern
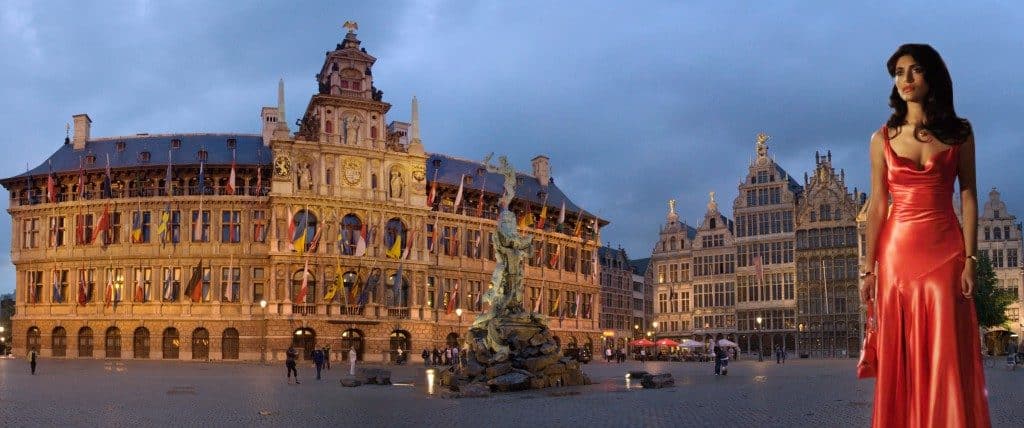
127,393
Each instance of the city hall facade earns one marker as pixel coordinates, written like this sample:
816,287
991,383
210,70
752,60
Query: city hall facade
344,232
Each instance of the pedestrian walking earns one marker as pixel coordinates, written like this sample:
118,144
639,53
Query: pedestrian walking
437,356
426,357
717,350
352,361
1011,354
32,360
318,361
289,362
327,356
608,355
448,356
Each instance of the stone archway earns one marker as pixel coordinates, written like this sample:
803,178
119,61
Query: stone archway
352,339
112,343
59,341
229,344
171,343
140,343
304,338
200,344
33,339
85,342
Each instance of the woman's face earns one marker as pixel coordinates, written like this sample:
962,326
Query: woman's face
909,79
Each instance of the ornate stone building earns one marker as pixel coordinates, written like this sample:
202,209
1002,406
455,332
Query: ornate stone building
765,268
713,282
643,294
235,246
999,238
670,275
617,317
828,302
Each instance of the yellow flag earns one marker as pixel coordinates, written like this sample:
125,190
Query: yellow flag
396,249
338,283
300,243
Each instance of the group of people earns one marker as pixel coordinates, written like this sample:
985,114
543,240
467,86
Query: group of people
617,355
449,356
321,360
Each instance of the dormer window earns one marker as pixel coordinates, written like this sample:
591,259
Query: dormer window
203,154
90,160
232,143
120,146
175,143
144,156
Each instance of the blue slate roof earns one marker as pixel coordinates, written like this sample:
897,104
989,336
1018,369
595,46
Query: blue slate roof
249,151
451,169
640,265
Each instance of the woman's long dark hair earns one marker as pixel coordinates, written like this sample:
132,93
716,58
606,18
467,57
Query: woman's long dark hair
940,117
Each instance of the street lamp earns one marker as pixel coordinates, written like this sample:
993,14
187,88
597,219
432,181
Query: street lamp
760,352
458,313
263,339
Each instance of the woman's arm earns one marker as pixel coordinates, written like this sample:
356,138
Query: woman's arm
969,213
878,208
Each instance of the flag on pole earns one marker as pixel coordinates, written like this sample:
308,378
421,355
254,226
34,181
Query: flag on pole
197,226
409,244
361,243
453,298
536,305
553,260
81,179
165,217
231,177
168,285
51,186
168,176
229,290
458,196
299,242
396,247
140,295
57,296
109,295
137,226
433,191
579,226
371,284
107,191
202,179
83,294
102,225
259,180
339,284
561,214
195,283
543,214
576,307
304,289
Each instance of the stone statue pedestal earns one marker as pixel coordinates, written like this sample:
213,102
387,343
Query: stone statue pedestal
533,360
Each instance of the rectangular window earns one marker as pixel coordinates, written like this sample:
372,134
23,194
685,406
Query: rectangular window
661,274
86,284
230,281
554,303
30,232
60,281
113,233
751,198
586,262
174,226
473,244
1011,257
684,302
662,303
258,292
200,226
673,299
230,227
56,231
140,227
490,246
570,259
34,285
207,291
673,272
143,284
552,255
259,226
997,233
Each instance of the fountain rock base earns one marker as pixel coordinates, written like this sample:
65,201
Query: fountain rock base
531,358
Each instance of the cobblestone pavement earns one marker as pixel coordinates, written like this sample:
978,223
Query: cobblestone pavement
157,393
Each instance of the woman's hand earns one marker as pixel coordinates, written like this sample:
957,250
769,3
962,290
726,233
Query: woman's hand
867,288
967,279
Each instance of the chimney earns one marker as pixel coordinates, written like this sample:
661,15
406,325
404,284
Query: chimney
541,169
82,125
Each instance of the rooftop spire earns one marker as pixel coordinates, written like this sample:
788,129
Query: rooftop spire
282,123
415,118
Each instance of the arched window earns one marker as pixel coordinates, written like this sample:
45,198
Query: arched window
305,339
33,339
85,342
140,343
305,225
351,227
171,343
328,127
112,343
373,132
229,344
402,289
672,243
200,344
59,340
394,230
350,279
297,286
452,340
351,339
400,339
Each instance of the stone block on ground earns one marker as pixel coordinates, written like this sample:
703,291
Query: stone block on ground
657,380
350,381
369,376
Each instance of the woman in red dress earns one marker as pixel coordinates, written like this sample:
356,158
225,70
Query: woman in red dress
929,366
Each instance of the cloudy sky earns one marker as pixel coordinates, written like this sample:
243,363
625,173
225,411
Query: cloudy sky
634,102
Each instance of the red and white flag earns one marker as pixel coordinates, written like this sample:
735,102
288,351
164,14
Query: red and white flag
411,238
536,305
361,243
301,297
231,177
453,298
458,196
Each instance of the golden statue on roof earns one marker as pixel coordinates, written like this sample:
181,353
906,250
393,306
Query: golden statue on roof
351,26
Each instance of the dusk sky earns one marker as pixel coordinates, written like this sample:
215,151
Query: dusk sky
635,103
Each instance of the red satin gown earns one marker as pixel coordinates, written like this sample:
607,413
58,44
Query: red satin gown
929,365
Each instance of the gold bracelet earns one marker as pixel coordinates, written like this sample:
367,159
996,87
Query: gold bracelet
973,258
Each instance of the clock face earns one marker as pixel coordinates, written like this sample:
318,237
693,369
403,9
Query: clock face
281,166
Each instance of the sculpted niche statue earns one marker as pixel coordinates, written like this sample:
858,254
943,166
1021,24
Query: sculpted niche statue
351,130
397,184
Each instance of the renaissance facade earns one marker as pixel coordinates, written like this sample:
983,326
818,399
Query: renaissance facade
345,234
